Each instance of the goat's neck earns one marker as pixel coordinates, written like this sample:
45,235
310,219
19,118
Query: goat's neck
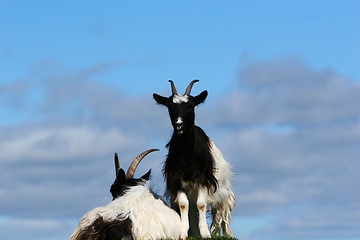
185,140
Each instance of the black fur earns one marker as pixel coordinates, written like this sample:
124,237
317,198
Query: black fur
117,229
189,160
121,183
185,110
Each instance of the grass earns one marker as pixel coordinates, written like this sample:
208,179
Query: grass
213,237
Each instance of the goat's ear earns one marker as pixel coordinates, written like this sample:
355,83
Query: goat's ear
116,187
146,176
200,98
161,100
120,177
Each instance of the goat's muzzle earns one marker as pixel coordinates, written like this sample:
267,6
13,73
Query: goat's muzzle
179,126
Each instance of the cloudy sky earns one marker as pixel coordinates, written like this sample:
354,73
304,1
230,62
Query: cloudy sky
76,86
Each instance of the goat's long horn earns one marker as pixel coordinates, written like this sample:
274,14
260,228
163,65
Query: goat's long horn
188,89
117,163
136,161
173,88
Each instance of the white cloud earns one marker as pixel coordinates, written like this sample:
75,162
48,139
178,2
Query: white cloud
288,91
22,228
291,132
64,143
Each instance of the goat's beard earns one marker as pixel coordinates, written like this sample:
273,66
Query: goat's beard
180,132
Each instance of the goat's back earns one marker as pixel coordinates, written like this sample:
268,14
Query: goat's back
150,217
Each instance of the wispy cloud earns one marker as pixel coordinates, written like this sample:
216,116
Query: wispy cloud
291,132
287,90
312,161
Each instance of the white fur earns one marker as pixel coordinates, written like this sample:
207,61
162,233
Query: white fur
151,218
179,120
184,212
223,200
201,206
180,98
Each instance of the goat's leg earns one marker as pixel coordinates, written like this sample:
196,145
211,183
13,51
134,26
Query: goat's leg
216,223
184,214
222,217
230,203
225,224
201,205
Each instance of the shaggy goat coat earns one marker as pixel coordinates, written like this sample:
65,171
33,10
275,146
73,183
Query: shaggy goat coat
197,176
138,212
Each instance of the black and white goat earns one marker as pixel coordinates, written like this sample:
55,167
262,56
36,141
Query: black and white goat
197,176
134,213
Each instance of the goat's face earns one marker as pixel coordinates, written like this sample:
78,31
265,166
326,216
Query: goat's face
181,108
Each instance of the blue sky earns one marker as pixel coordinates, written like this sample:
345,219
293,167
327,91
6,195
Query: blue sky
76,85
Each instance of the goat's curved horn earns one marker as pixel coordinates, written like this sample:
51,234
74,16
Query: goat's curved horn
173,88
117,163
188,89
136,161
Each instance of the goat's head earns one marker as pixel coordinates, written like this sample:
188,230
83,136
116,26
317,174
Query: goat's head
122,181
181,107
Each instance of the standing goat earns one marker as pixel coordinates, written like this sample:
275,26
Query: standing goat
196,173
135,212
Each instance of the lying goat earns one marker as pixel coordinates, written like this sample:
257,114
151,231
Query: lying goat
196,173
135,212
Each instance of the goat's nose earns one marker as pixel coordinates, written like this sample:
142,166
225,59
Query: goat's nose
179,121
